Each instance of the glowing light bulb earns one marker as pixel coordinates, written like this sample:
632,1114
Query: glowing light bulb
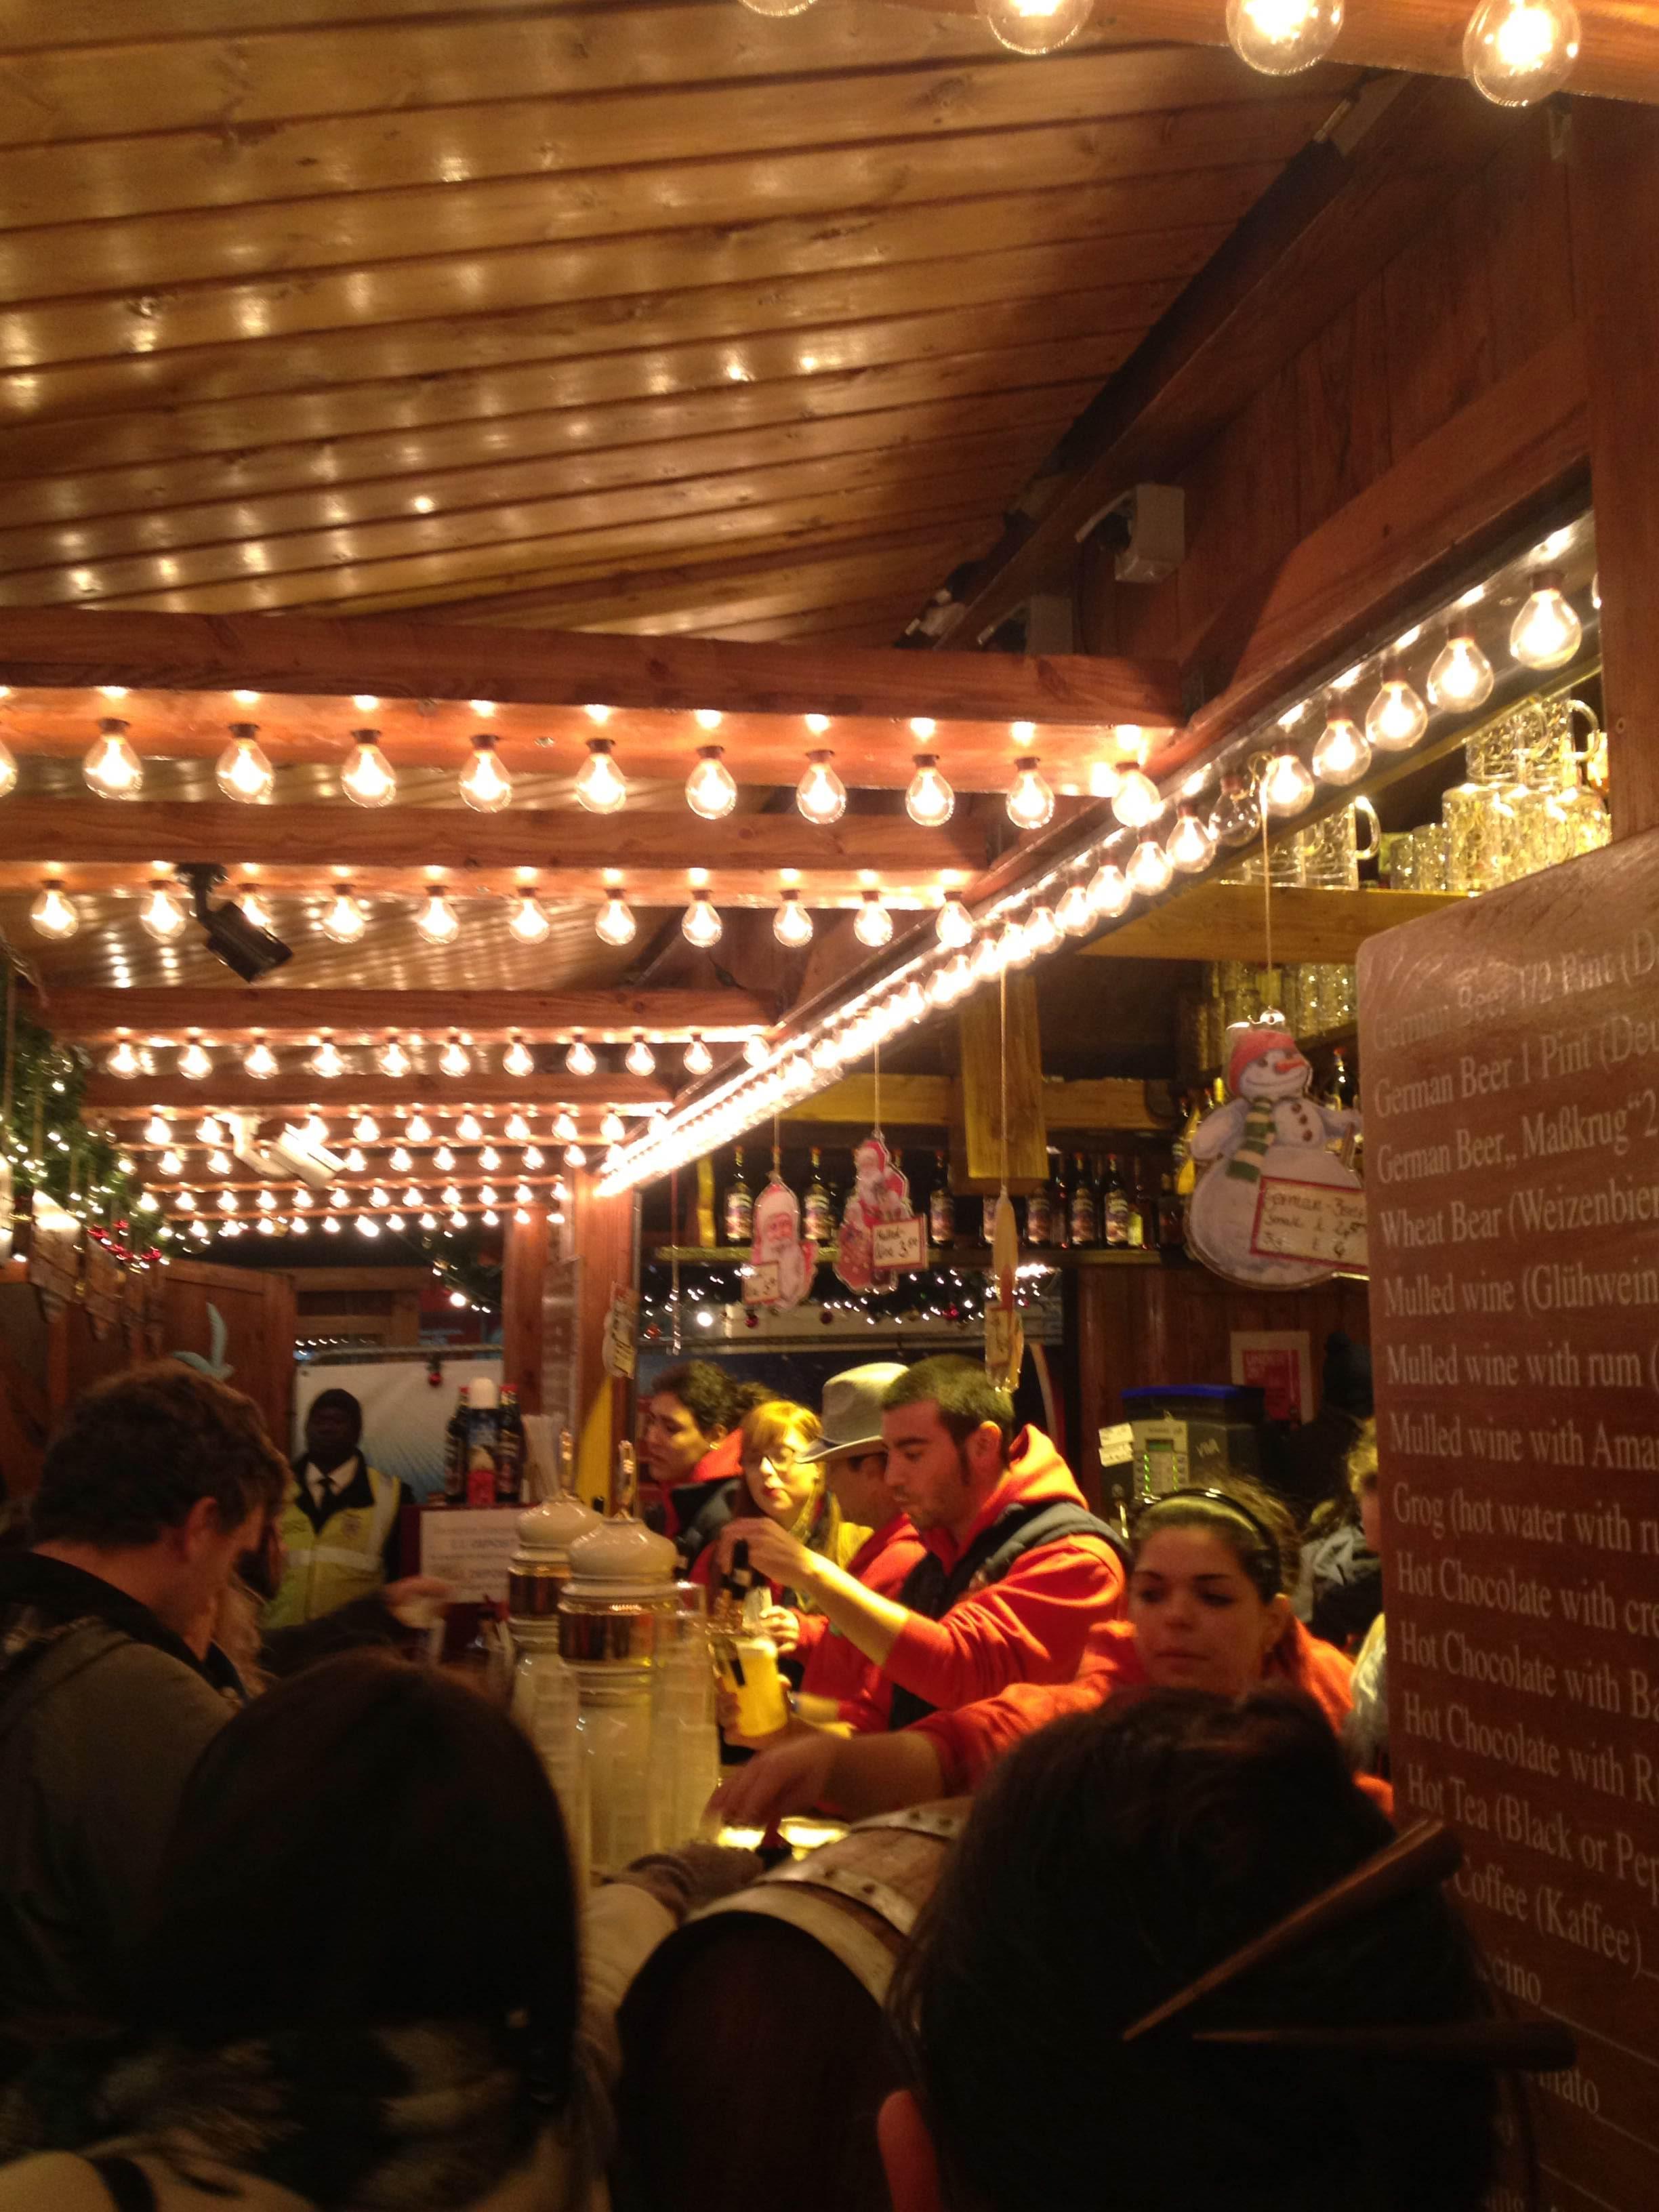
700,925
528,920
366,1129
486,1195
1191,847
402,1159
987,960
392,1059
874,925
601,787
777,7
1151,869
1030,797
450,1195
1074,914
157,1131
170,1162
163,915
314,1129
368,778
443,1159
698,1058
454,1059
929,800
1279,37
564,1126
709,718
243,771
411,1198
1396,718
1287,786
1109,892
1343,752
1547,632
437,919
1136,801
186,1202
614,924
194,1061
791,925
639,1059
518,1058
1461,677
1043,931
954,925
8,769
326,1061
53,917
1236,817
343,918
485,784
1516,51
612,1127
417,1128
123,1060
711,789
1036,27
574,1157
517,1131
820,795
227,1201
260,1061
365,1227
254,909
111,768
580,1059
380,1197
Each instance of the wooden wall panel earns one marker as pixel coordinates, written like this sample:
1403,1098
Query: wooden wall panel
257,1310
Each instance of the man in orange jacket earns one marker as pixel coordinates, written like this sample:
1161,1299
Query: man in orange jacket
1016,1570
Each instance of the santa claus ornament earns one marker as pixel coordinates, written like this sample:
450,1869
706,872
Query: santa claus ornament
781,1261
879,1201
1275,1206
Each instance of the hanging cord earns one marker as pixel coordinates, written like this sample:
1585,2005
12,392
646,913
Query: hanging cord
777,1148
674,1263
1002,1065
876,1069
1267,885
8,1077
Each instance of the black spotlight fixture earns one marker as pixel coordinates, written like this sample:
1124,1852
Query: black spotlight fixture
240,944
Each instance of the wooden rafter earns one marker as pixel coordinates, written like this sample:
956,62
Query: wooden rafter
296,1090
278,1012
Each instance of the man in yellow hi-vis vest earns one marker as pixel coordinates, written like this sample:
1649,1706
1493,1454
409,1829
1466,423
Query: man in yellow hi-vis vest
339,1521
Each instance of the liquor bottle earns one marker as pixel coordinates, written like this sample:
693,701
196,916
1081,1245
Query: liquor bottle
1059,1204
941,1207
988,1219
482,1435
1040,1218
1171,1230
1116,1207
817,1220
739,1206
1181,1152
1084,1215
1341,1091
1138,1239
454,1489
509,1449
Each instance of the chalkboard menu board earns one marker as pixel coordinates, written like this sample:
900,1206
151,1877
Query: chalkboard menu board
1510,1052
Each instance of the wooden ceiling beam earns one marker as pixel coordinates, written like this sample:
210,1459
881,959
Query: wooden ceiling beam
1315,240
229,1089
1317,926
294,657
89,1015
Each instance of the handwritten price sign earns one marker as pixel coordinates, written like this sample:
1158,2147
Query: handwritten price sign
900,1243
1310,1221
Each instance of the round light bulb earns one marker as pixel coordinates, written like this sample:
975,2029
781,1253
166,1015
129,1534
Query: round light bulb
437,921
1036,27
1151,870
518,1058
1547,632
111,768
194,1061
700,925
1074,914
123,1060
580,1059
366,1129
163,916
874,925
777,7
186,1202
1236,818
1516,51
343,918
711,789
820,795
1191,847
402,1159
1287,786
411,1198
243,771
1279,37
954,925
601,787
392,1059
485,784
1396,718
612,1127
528,920
988,955
1136,801
1043,930
1343,752
454,1060
326,1061
929,800
254,909
639,1059
756,1053
227,1201
368,778
517,1131
170,1162
8,769
574,1157
417,1128
564,1126
1030,797
53,915
791,925
380,1197
260,1061
157,1131
1109,891
1461,677
443,1159
614,923
698,1058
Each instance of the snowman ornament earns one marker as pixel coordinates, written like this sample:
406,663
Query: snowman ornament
1269,1131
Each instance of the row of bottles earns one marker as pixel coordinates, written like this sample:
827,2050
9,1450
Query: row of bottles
484,1447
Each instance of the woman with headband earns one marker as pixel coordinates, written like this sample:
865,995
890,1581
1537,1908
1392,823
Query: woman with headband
1207,1610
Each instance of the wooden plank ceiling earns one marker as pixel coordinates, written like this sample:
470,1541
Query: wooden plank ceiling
650,315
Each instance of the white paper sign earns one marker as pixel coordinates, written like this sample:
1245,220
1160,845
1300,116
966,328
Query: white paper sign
900,1243
1117,1444
1312,1221
760,1284
470,1548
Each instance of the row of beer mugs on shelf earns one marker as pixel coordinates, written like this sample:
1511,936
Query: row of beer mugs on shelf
1314,999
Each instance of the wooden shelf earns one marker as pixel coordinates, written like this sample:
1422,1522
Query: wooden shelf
1217,920
954,1255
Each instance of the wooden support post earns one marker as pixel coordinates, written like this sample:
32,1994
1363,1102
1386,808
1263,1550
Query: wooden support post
523,1266
976,1133
599,1237
1615,248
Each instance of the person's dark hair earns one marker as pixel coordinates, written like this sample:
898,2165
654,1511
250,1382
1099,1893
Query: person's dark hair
1111,1858
368,1842
965,1393
1251,1521
138,1450
745,1396
705,1392
340,1401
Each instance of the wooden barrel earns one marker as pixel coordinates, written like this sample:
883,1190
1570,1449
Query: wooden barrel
755,2058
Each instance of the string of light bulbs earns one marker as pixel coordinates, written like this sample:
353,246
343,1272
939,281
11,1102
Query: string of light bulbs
459,1057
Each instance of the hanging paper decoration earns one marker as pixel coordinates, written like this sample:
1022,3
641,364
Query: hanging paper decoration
1005,1331
781,1261
1275,1207
881,1234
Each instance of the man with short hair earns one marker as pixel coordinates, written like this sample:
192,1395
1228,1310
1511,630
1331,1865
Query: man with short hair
1016,1571
159,1482
339,1521
694,1453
